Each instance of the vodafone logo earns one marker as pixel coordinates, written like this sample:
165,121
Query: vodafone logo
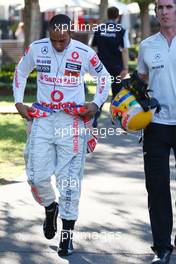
57,96
94,61
75,55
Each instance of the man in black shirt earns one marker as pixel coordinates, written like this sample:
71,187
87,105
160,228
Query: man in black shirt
111,44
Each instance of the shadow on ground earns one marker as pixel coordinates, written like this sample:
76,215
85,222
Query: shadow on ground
21,237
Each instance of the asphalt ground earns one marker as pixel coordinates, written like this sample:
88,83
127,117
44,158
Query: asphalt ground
113,225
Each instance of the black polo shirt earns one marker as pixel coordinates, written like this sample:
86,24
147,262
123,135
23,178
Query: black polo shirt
109,39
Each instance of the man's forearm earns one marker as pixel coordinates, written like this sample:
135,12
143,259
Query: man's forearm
125,58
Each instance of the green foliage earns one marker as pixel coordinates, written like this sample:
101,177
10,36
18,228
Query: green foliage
133,52
132,66
6,77
8,68
7,73
12,140
8,100
144,1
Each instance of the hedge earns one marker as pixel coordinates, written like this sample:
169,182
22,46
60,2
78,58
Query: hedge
7,71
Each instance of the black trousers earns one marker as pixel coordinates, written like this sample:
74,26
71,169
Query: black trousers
158,141
115,86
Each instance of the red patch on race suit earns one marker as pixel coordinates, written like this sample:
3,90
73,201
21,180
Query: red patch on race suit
71,73
57,96
17,83
102,85
75,135
36,194
91,144
94,61
75,55
26,50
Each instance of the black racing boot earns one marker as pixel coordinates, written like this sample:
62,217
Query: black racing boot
66,245
161,256
66,240
50,222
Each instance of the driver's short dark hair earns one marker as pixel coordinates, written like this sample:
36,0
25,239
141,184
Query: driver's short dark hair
156,1
60,19
113,12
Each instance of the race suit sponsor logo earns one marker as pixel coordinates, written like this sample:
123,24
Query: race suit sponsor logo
17,84
72,73
75,55
102,85
43,61
99,68
44,57
68,80
91,144
26,50
57,96
94,61
43,68
59,105
44,50
71,60
72,66
75,136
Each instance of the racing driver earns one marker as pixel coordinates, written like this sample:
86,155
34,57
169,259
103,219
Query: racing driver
60,62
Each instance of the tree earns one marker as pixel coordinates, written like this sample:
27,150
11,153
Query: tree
144,16
32,21
103,10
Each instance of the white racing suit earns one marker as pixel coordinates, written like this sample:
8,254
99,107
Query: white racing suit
55,144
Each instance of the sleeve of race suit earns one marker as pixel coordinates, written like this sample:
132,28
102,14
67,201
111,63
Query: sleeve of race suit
101,77
24,67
